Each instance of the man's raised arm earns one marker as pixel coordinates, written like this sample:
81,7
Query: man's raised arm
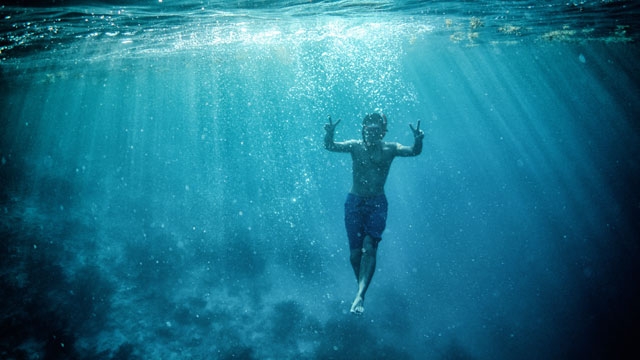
416,149
329,143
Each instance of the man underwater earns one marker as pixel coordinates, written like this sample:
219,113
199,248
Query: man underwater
366,205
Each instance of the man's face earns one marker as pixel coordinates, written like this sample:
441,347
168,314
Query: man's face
372,133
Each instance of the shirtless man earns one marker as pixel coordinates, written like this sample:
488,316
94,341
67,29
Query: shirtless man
366,206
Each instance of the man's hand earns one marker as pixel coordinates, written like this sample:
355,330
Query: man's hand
331,127
417,133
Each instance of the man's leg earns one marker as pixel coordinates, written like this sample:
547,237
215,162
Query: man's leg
365,272
356,259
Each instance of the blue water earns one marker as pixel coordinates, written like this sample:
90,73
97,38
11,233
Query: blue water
165,193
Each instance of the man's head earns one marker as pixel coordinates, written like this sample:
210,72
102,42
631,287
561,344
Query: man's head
374,127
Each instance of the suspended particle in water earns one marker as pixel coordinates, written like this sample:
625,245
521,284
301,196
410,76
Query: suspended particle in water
582,59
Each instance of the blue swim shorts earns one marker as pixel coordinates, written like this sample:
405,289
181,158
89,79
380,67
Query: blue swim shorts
365,216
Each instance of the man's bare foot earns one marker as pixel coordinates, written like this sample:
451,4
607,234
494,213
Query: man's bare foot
357,307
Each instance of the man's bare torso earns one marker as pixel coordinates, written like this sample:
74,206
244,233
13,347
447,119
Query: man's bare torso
371,167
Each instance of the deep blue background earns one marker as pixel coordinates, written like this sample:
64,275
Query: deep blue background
179,203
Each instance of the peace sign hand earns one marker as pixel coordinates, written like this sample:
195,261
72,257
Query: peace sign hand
417,133
331,127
